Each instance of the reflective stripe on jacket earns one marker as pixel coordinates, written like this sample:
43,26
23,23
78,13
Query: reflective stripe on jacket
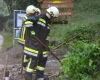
21,40
41,27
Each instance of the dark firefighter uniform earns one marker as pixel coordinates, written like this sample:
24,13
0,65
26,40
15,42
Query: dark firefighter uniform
38,26
21,40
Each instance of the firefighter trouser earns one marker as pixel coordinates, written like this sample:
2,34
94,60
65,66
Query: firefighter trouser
41,66
25,60
36,62
24,57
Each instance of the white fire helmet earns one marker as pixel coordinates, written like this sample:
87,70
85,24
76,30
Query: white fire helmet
38,10
31,9
53,11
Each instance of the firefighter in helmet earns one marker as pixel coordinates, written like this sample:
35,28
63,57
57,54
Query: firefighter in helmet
38,26
31,10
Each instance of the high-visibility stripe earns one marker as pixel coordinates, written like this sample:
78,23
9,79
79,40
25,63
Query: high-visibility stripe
25,60
31,50
29,25
45,52
40,68
28,22
42,20
25,17
23,29
20,39
49,25
47,38
23,33
45,55
28,69
21,42
30,53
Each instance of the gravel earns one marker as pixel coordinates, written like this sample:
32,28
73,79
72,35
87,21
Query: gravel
14,54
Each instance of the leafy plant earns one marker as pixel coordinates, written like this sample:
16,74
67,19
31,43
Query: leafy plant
81,62
9,26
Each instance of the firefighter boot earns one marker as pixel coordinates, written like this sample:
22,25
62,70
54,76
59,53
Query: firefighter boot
45,78
28,76
24,64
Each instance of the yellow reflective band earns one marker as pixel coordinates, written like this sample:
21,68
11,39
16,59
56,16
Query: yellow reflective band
21,39
42,20
25,17
28,69
45,52
47,38
23,34
49,25
28,22
25,60
40,68
31,50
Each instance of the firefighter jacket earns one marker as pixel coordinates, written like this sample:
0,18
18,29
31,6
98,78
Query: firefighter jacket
21,40
41,27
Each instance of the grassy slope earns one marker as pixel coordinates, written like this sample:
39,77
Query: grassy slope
8,40
85,13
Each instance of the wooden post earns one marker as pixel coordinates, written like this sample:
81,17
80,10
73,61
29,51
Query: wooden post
6,75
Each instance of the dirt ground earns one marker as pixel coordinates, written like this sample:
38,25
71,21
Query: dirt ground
14,63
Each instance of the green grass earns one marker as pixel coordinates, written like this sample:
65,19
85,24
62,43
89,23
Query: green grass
8,40
86,12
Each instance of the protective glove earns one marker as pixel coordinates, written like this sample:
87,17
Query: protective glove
47,42
48,49
32,33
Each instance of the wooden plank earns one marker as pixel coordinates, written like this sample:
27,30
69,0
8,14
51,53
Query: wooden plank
64,5
62,1
66,13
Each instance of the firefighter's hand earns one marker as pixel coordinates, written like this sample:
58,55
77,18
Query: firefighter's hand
32,33
48,49
47,42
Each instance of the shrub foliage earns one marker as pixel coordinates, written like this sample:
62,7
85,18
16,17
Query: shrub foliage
82,61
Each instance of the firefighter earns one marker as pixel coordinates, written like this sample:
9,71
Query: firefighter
38,12
38,26
30,11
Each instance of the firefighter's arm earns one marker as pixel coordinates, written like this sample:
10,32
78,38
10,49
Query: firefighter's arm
30,21
28,24
47,41
33,19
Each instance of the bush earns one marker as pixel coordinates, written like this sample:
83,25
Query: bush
81,62
2,21
9,26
